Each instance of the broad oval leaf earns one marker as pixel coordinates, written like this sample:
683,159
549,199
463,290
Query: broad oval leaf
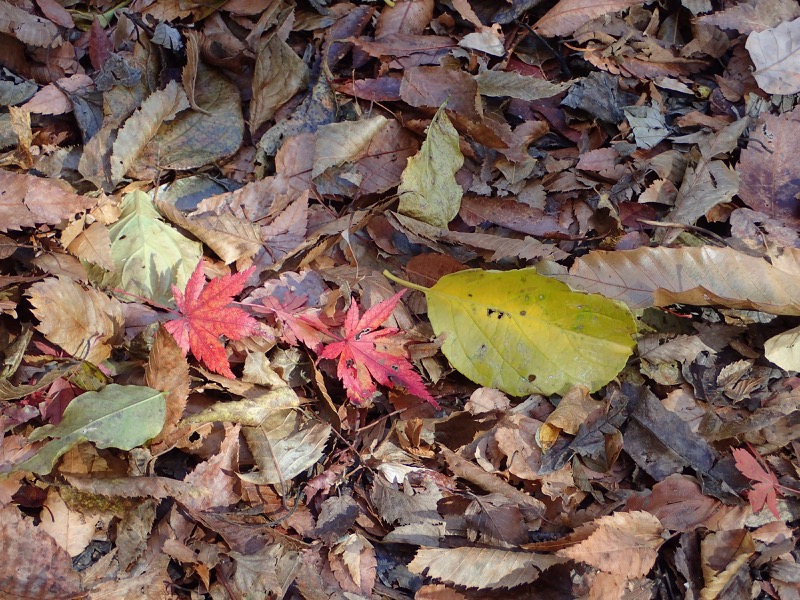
118,416
524,333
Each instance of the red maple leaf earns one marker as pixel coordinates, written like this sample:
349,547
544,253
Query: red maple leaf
299,325
207,315
766,490
362,363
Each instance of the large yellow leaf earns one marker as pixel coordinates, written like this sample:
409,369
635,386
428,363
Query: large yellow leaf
524,333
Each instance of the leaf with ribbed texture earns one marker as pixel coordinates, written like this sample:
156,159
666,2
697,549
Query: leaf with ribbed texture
524,333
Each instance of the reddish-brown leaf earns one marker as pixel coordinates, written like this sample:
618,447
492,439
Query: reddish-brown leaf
765,491
207,315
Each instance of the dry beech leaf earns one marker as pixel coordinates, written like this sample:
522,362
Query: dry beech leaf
338,143
141,127
27,27
753,15
510,84
776,56
52,101
568,416
83,321
568,15
94,245
216,477
409,16
279,74
723,554
623,544
481,567
699,276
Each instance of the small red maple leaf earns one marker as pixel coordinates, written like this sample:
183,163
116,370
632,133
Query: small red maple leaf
362,363
766,490
207,315
299,324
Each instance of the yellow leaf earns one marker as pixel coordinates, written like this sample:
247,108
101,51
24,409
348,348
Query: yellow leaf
428,189
524,333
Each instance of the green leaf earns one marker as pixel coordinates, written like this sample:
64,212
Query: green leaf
524,333
149,254
118,416
428,189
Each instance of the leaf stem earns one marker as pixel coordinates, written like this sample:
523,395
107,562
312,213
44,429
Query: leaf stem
405,283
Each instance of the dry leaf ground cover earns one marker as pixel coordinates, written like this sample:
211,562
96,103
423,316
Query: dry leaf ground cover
292,299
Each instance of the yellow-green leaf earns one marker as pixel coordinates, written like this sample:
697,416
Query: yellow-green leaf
118,416
428,189
149,254
524,333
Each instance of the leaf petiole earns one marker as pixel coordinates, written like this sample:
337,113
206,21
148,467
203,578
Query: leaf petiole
403,282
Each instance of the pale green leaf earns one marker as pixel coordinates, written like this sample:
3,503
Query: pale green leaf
149,254
428,189
118,416
524,333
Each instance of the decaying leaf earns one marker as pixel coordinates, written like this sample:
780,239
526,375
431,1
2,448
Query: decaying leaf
428,190
524,333
118,416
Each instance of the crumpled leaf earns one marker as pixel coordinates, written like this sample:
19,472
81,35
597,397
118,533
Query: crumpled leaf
118,416
481,567
368,355
699,276
776,55
207,315
523,333
428,189
83,321
623,544
149,255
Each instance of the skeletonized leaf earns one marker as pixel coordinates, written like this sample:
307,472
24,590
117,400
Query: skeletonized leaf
568,15
524,333
481,567
624,544
141,127
776,56
83,321
149,255
698,276
428,190
118,416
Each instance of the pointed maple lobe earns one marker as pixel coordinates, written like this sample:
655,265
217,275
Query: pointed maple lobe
207,315
299,324
763,492
368,355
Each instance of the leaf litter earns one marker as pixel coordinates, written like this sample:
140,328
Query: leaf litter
208,388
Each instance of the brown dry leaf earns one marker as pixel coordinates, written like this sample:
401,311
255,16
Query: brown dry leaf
26,201
723,554
167,370
70,529
569,415
279,74
51,101
481,567
139,131
383,161
568,15
699,276
495,521
767,181
623,544
189,73
230,237
93,244
406,16
33,565
432,87
438,592
776,55
27,27
83,321
338,143
753,15
354,564
216,478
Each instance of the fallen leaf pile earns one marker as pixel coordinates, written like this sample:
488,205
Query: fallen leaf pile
438,300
